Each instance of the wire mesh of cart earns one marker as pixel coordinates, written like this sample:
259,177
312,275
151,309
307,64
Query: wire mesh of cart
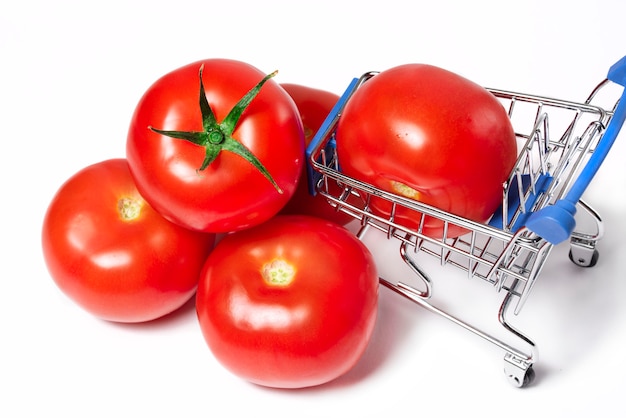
561,147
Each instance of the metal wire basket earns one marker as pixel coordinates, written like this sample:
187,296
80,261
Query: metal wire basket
561,146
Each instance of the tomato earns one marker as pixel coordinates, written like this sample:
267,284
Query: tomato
314,105
114,255
216,146
290,303
430,135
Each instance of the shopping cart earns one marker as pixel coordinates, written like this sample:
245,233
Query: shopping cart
562,143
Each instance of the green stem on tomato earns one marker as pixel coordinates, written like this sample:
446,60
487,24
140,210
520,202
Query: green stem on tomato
216,137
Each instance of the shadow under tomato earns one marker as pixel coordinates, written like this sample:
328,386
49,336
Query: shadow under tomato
397,319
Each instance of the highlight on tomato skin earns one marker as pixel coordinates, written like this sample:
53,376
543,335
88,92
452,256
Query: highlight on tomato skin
291,303
112,254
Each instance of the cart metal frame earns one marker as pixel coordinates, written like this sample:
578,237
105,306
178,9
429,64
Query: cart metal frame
561,145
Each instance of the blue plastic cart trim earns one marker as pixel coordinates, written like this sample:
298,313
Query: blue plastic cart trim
513,202
313,176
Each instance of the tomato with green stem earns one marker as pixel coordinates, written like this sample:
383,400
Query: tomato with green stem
216,146
289,303
113,254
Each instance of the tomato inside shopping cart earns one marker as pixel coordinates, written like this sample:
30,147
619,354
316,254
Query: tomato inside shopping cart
429,135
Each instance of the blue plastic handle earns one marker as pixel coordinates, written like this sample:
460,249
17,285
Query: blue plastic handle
312,175
556,223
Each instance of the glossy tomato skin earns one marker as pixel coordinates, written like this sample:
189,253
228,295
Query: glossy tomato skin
306,332
431,135
230,194
114,255
314,106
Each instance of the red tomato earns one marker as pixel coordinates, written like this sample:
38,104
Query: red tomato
178,165
314,105
290,303
112,254
430,135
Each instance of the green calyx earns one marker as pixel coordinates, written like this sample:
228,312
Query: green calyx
217,136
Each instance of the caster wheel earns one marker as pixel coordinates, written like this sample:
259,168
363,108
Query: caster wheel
526,380
583,262
520,373
529,377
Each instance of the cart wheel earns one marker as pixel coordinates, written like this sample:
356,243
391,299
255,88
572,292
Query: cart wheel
526,380
529,376
583,262
519,371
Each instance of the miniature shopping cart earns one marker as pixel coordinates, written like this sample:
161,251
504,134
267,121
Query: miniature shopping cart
562,144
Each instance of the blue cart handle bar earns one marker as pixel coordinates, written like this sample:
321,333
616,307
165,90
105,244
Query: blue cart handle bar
555,223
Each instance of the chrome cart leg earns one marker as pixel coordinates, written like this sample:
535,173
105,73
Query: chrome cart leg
517,368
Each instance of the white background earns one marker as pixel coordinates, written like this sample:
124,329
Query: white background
71,73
